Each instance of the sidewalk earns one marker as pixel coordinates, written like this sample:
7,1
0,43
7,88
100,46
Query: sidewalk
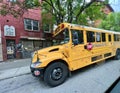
14,63
14,68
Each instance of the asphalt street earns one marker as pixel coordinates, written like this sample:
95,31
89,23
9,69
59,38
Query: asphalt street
92,79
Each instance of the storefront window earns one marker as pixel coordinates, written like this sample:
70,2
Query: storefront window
28,45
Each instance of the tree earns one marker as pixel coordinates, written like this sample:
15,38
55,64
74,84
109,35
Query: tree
111,22
17,7
73,11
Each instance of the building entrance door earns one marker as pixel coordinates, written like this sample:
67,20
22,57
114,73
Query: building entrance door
11,53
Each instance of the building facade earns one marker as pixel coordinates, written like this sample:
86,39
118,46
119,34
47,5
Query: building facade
20,36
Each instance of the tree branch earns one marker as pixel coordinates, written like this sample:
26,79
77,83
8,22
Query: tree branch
55,12
83,8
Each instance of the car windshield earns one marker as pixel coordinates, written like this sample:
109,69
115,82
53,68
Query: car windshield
61,38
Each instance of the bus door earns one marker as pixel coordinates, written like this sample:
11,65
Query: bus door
77,49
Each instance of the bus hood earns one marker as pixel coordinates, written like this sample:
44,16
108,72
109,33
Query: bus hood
43,53
48,50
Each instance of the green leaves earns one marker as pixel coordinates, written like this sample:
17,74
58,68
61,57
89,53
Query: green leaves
31,3
3,12
72,11
17,7
111,22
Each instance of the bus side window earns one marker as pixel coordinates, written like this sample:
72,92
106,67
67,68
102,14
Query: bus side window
119,37
90,36
109,38
80,35
116,37
103,37
77,37
98,37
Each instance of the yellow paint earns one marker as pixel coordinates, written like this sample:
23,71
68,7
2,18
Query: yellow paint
76,56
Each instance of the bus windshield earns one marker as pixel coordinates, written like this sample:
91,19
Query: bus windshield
61,38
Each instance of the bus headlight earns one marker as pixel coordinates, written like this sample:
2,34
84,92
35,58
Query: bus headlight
32,54
36,64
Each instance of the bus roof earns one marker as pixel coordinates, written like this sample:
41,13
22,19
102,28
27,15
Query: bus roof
93,29
64,25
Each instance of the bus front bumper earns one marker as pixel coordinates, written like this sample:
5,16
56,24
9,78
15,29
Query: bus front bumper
37,72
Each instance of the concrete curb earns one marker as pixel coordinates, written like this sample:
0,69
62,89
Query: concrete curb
6,74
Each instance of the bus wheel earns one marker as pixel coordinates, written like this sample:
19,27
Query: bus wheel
55,74
117,57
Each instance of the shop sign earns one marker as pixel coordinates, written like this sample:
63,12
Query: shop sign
9,30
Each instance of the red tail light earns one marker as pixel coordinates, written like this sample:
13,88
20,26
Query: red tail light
62,26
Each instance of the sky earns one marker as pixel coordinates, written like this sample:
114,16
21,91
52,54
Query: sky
115,5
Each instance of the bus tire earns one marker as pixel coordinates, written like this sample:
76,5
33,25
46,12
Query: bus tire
55,74
117,57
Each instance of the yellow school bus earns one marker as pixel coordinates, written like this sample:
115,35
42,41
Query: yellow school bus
74,47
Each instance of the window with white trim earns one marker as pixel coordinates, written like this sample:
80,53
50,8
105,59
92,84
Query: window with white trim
11,0
31,25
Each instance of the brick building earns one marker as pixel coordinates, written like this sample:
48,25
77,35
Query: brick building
107,9
21,36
